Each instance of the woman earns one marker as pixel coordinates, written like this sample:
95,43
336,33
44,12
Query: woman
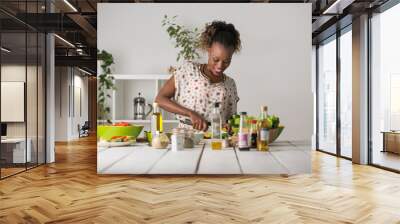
197,87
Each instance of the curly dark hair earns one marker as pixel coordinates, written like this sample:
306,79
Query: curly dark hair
221,32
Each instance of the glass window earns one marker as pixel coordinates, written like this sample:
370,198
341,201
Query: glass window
31,96
385,87
15,151
346,93
22,92
41,98
327,96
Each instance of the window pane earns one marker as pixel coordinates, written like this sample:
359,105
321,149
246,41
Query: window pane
14,148
386,87
31,96
327,96
41,98
346,93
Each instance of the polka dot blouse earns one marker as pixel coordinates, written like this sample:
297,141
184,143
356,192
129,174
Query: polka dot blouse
194,90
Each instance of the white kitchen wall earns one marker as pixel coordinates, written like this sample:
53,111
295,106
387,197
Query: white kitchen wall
273,68
128,90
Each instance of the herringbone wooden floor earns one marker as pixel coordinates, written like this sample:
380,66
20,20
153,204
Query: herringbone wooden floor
70,191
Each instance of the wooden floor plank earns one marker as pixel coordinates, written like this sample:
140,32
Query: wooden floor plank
256,162
71,191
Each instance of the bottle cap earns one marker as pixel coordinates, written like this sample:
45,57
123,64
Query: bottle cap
264,108
243,113
155,104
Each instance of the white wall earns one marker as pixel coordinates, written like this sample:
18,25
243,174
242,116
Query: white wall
61,103
68,82
314,89
128,91
80,83
273,68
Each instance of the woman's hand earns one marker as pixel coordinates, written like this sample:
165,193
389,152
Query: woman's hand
199,123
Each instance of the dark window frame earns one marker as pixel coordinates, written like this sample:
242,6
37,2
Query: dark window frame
29,29
381,9
334,37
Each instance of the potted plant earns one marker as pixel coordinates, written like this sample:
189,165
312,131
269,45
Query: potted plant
119,132
105,85
186,40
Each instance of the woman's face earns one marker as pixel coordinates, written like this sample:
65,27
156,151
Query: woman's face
219,58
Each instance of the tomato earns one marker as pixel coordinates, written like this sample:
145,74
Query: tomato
123,124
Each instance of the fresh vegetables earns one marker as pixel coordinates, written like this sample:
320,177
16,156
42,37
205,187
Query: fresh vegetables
274,121
122,139
235,120
124,124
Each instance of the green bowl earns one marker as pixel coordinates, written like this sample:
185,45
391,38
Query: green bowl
106,132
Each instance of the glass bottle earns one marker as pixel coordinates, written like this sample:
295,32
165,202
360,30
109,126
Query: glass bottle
156,120
216,122
263,121
262,142
243,135
253,134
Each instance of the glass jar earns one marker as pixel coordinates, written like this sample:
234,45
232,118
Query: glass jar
216,144
177,139
159,141
189,139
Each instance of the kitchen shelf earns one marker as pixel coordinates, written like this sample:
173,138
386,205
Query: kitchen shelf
128,87
141,76
146,121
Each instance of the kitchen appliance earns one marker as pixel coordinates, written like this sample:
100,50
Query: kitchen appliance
139,108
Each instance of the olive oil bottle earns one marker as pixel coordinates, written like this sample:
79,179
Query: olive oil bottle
263,121
156,120
263,125
262,140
